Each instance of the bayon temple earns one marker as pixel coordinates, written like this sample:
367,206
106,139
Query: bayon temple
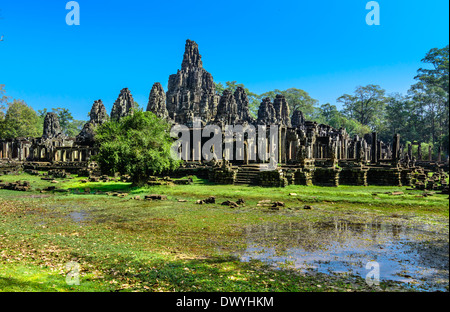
308,153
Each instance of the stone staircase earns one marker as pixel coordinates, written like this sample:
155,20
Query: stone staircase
248,174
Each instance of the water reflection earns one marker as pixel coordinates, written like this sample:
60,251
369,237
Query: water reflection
340,246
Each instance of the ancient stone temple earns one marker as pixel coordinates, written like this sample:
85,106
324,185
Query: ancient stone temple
191,91
54,150
306,152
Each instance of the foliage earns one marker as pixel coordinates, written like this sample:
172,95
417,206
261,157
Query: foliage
20,120
430,98
3,101
398,118
438,75
366,105
138,145
17,119
219,88
329,114
424,148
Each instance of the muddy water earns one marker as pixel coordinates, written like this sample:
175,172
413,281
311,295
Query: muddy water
416,256
78,216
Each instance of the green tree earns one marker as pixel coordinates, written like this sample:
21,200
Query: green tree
64,116
430,97
138,145
398,118
329,114
326,113
137,107
20,121
219,88
366,105
3,101
438,75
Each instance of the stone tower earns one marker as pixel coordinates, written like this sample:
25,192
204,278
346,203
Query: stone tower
191,91
266,113
157,101
243,105
98,116
298,120
123,105
282,110
52,128
227,110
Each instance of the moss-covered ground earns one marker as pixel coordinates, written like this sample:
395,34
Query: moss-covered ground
124,244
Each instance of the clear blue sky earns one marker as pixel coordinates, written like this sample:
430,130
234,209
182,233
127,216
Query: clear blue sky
323,47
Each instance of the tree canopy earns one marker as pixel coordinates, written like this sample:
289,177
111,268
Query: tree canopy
366,105
330,115
17,119
429,95
138,145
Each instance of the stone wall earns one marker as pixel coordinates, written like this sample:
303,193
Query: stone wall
407,176
72,167
221,175
273,178
10,167
304,177
353,176
384,176
326,176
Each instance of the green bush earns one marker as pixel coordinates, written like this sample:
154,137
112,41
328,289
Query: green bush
138,145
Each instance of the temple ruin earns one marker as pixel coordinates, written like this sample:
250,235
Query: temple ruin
308,153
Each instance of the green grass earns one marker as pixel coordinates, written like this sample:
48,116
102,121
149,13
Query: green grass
374,197
124,244
29,278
